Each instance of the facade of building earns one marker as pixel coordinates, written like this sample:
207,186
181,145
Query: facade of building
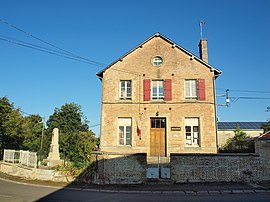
226,130
159,99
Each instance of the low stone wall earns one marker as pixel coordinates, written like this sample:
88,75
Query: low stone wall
34,173
109,168
219,168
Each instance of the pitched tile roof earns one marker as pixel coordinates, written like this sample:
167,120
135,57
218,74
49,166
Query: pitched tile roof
265,136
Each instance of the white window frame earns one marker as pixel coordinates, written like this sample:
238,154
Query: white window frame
160,95
192,137
124,95
191,89
126,125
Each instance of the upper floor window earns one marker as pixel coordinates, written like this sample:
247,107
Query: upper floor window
191,89
124,131
192,130
125,89
157,90
195,89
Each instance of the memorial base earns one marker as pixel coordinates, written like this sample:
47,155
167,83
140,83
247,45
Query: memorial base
52,163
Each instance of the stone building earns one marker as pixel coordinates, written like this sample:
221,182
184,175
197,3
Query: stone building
159,99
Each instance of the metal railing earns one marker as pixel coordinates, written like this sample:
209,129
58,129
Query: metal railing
22,157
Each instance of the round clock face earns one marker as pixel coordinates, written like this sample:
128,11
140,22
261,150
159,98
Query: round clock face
157,61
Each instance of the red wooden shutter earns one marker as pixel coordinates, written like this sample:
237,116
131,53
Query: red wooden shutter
146,89
168,89
201,89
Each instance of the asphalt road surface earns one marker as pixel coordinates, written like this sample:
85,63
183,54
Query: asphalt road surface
13,191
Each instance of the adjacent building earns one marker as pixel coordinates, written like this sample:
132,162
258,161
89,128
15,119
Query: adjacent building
226,130
159,99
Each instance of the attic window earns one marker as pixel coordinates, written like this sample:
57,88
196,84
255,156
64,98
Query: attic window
157,61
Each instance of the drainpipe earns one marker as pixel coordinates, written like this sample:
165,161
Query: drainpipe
214,92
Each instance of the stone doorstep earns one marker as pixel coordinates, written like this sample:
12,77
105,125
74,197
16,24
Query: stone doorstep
154,160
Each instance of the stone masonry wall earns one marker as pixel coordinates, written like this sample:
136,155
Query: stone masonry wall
219,168
34,173
118,169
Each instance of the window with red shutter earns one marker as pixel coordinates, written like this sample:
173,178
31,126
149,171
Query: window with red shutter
146,89
168,89
201,89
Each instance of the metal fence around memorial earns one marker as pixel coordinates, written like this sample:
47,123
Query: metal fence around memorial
22,157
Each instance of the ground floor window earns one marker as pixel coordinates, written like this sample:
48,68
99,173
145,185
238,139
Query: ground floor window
124,131
192,131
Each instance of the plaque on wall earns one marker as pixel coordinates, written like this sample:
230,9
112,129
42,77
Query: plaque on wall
175,128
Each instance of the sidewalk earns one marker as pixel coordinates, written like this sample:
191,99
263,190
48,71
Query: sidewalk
183,189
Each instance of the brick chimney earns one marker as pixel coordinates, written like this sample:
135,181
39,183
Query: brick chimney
203,50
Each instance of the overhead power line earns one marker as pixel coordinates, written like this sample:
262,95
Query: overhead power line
234,99
61,52
52,52
245,91
92,126
250,91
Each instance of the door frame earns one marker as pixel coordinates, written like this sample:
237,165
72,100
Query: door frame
165,133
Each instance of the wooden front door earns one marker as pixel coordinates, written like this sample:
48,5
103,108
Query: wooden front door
158,137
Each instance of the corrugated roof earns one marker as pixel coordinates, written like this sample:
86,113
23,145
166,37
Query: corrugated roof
242,125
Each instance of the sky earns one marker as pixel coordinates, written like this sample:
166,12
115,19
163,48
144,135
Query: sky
238,34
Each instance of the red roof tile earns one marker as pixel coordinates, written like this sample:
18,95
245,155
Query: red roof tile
265,136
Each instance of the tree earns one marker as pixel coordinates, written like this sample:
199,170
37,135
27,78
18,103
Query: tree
11,132
239,134
238,143
75,139
266,127
86,143
32,129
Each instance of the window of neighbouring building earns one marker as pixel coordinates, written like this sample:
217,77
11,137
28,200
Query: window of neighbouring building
191,89
192,131
125,89
157,90
124,131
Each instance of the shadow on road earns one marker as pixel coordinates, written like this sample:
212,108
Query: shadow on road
107,173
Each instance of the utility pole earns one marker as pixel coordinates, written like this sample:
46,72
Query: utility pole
227,101
42,135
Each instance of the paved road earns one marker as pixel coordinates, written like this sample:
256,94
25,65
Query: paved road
10,191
